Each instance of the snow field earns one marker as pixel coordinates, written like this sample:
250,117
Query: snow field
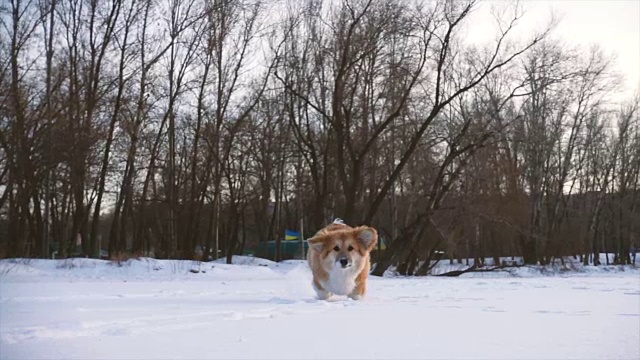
154,309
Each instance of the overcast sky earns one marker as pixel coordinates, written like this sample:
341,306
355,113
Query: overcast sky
612,24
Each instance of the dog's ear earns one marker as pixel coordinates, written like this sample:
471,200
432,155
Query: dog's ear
317,243
367,236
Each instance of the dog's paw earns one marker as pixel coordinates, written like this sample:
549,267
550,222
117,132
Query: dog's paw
323,295
356,296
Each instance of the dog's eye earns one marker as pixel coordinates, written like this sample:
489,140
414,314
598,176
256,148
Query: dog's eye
350,248
336,248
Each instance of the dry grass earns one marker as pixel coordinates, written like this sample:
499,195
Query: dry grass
124,256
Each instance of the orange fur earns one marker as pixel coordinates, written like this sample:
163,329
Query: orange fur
339,260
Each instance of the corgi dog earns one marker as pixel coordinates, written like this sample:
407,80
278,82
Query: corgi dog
339,259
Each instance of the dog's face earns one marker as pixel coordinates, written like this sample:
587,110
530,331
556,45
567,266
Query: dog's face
345,248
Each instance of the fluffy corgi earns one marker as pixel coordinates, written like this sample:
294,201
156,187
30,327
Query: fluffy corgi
339,259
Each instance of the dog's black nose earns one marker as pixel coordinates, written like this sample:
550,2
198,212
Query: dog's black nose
344,262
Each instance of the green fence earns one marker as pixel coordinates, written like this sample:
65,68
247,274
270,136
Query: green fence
289,250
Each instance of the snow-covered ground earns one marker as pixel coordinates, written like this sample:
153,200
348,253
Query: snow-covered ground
91,309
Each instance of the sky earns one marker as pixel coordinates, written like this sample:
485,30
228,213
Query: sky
614,25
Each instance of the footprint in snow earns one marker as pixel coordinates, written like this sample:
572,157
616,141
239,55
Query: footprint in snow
493,309
279,300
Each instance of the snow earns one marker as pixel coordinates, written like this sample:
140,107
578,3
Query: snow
255,308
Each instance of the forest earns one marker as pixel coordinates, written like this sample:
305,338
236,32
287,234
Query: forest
174,128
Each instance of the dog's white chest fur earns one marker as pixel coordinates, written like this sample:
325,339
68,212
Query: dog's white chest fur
341,281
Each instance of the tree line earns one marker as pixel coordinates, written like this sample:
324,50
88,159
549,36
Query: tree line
185,126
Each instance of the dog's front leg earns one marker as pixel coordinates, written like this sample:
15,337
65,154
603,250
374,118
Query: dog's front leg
361,285
358,291
320,291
